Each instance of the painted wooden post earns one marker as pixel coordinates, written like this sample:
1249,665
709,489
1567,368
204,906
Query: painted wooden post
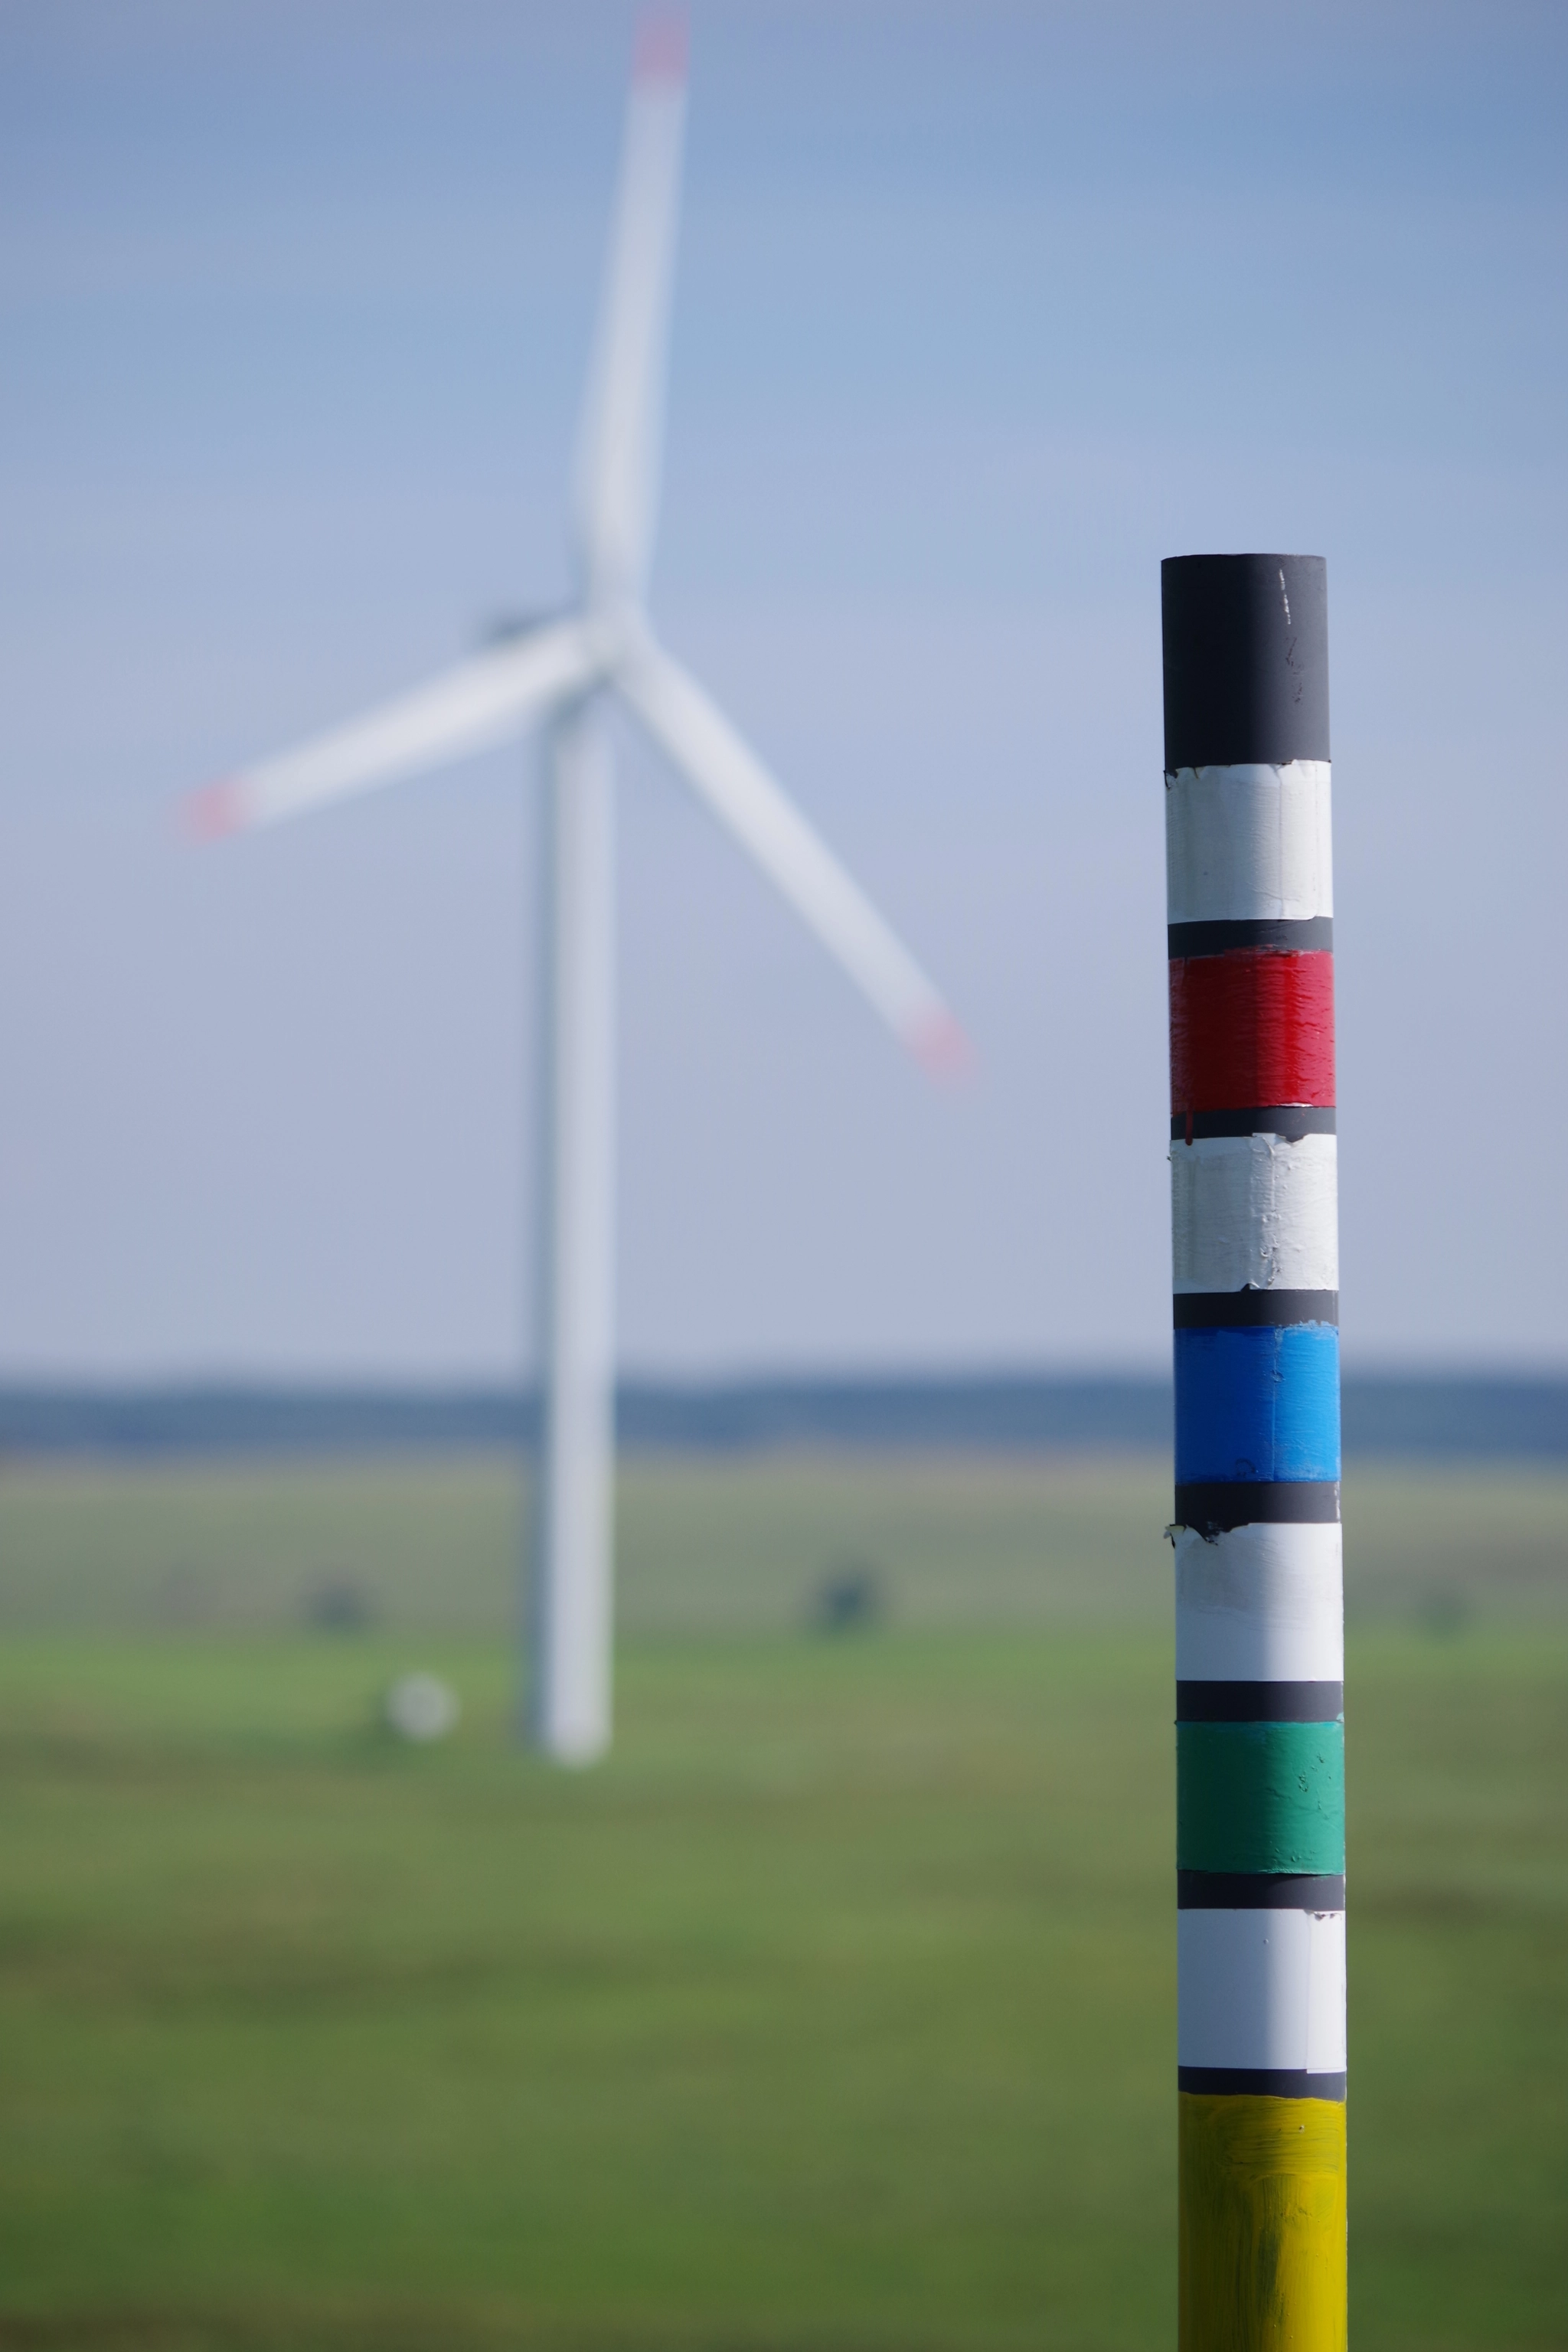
1261,1855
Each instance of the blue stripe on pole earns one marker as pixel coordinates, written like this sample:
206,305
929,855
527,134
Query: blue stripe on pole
1262,1403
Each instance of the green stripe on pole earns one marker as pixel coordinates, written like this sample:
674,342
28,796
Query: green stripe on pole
1260,1796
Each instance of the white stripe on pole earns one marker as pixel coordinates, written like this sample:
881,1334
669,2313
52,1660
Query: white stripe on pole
1261,1988
1255,1211
1260,1604
1248,844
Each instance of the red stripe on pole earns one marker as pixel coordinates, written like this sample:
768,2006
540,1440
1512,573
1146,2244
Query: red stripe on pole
1251,1027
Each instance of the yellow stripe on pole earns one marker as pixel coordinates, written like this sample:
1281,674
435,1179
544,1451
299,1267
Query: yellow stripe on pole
1262,2223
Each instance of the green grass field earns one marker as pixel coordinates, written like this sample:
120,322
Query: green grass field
837,2011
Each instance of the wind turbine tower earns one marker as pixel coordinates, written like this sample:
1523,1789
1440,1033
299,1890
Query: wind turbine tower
557,676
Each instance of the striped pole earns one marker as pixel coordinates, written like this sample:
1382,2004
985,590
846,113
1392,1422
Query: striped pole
1260,1841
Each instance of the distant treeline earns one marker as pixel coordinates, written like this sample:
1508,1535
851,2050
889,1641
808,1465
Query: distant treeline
1439,1414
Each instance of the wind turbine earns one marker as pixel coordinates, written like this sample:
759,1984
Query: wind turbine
557,676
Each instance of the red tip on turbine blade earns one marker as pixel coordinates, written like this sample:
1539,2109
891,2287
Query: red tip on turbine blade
942,1047
217,809
661,46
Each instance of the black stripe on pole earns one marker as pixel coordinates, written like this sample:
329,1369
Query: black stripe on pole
1288,1122
1260,2082
1245,1311
1258,1890
1259,1702
1313,935
1246,659
1213,1510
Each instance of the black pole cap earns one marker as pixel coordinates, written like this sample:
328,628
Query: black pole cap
1247,658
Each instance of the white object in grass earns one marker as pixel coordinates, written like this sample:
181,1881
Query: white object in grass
422,1707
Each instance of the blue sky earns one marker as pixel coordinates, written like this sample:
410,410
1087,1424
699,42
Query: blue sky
981,310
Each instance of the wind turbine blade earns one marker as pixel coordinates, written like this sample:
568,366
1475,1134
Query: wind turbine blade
469,709
617,466
695,734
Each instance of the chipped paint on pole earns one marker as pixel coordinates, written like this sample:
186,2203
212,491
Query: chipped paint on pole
1260,1856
